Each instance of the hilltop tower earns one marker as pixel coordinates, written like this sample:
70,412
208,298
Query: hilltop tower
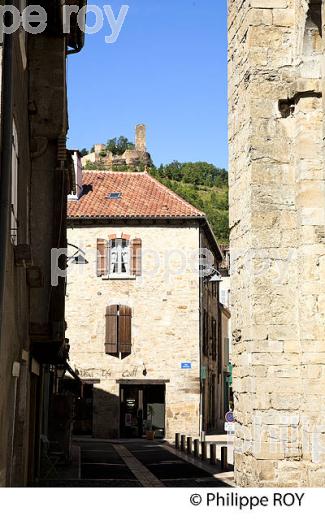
140,138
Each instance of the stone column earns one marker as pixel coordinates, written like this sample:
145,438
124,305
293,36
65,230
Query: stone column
277,240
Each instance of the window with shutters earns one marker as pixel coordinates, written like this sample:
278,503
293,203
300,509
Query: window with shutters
119,257
118,338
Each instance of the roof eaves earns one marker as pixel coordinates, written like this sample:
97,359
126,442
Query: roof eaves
138,217
212,236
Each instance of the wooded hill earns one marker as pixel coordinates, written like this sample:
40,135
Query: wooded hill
203,185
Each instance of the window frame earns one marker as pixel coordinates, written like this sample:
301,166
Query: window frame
119,247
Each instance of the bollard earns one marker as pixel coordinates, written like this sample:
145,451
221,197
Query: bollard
189,445
224,457
177,437
196,448
204,450
213,454
183,441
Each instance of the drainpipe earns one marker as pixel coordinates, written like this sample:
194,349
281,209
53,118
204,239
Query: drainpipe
6,151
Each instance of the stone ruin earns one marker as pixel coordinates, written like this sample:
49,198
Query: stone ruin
137,159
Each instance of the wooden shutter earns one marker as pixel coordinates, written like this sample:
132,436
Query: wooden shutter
111,340
102,265
136,257
124,329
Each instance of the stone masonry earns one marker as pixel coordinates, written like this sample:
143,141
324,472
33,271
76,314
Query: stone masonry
277,204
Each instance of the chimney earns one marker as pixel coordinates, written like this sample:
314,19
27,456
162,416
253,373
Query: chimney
77,166
140,138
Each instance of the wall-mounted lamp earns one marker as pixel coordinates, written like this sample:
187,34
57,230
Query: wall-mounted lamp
79,260
79,257
215,276
60,371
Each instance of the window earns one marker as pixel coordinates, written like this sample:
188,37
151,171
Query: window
119,257
14,187
118,340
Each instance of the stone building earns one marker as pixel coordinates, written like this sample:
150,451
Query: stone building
142,323
36,175
277,203
136,158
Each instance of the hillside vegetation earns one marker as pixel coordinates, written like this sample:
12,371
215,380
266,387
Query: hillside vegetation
203,185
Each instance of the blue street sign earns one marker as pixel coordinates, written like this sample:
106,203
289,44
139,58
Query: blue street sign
186,365
230,417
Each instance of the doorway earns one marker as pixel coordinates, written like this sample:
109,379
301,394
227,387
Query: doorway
142,409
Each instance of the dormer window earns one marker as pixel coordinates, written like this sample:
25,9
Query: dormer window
114,195
119,256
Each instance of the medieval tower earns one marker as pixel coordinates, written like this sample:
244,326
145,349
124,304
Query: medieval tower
277,212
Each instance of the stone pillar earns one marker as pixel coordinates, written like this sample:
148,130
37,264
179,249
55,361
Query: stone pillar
277,222
140,138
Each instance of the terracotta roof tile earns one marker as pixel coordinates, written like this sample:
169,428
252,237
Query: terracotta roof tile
141,196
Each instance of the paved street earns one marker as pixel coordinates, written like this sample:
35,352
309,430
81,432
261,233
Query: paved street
136,463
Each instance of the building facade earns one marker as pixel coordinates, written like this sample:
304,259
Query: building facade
277,201
142,323
34,180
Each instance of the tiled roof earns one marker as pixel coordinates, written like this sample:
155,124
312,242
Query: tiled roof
141,196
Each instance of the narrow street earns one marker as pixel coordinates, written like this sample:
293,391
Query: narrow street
134,463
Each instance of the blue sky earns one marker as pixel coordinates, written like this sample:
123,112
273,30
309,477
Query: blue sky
168,69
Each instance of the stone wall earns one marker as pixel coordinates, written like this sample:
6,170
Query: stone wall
165,323
277,203
14,322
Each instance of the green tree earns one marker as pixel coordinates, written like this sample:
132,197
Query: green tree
84,152
118,145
